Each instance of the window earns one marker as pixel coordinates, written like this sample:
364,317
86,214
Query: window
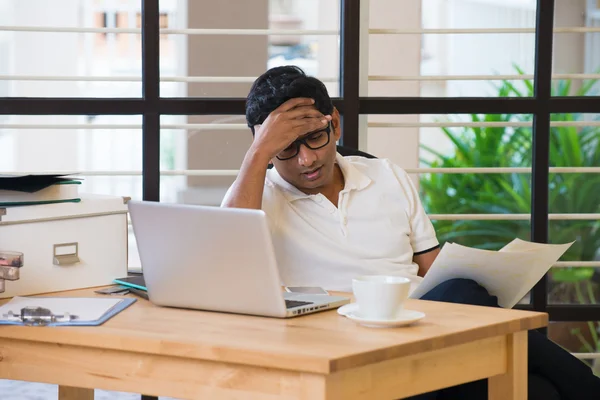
422,65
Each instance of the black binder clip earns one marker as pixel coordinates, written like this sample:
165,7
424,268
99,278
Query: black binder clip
38,316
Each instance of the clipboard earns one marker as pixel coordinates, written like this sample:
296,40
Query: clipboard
74,311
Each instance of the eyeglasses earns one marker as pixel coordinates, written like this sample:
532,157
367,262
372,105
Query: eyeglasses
314,141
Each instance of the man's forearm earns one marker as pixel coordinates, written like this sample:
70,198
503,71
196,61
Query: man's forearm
247,190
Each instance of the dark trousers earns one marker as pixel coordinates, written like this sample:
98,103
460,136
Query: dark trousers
554,374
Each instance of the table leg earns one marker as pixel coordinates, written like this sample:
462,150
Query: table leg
74,393
513,384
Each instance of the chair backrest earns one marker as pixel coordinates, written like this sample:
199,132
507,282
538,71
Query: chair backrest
349,151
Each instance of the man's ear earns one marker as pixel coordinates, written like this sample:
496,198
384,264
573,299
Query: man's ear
336,123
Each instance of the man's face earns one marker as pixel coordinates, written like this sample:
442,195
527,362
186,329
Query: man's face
310,170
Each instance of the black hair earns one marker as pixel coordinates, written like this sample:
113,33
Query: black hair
278,85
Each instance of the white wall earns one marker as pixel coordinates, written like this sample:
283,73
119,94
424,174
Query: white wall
592,40
5,56
5,61
472,54
38,54
328,53
487,54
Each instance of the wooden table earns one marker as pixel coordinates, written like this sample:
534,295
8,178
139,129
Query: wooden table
202,355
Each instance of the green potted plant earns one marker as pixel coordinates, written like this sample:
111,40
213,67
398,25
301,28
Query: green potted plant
501,146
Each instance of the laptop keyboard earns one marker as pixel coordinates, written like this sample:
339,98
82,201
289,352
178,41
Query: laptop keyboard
296,303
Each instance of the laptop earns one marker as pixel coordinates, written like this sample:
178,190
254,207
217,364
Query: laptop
215,259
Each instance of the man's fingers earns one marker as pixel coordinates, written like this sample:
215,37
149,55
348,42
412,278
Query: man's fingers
303,112
312,121
308,125
295,102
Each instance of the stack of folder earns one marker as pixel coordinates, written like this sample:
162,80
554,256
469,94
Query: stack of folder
26,190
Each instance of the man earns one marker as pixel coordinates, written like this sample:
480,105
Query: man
333,218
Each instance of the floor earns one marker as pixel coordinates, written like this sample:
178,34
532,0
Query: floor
19,390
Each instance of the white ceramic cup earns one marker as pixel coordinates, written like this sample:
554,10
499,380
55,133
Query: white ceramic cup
380,296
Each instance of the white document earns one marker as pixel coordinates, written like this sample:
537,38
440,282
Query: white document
85,308
508,274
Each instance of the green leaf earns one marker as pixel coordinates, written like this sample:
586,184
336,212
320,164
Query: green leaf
572,274
444,193
527,82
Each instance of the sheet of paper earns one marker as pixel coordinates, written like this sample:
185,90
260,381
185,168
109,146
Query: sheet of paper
86,309
523,245
508,274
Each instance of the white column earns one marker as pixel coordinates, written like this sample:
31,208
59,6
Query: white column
45,54
394,55
569,48
221,55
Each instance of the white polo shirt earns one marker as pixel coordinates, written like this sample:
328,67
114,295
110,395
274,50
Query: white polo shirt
377,227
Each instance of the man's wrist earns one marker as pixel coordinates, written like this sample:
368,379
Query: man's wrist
257,156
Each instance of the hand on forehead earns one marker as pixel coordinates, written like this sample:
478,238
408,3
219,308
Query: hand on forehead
307,112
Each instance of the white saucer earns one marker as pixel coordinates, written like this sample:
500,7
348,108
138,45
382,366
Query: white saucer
346,308
406,317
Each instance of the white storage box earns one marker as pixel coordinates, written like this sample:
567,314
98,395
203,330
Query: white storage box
66,246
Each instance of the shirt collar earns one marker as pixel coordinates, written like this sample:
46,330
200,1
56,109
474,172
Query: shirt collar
354,180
